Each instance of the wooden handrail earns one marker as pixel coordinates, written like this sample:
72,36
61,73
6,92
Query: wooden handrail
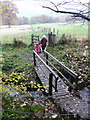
70,76
56,76
61,64
52,73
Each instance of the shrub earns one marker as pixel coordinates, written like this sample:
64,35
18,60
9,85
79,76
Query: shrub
7,65
66,39
18,43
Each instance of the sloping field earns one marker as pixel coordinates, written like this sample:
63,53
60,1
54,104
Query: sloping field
78,30
72,29
4,30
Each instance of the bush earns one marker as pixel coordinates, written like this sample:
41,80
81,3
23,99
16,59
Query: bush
7,65
66,39
63,39
18,43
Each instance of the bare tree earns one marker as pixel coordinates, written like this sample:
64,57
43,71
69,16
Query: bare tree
77,8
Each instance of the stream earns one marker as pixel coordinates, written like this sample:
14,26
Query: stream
37,95
85,94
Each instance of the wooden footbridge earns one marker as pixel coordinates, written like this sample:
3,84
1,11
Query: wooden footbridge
62,86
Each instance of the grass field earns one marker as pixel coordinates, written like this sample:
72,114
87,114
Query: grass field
78,30
23,33
25,37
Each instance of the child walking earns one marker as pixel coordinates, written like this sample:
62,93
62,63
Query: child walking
37,48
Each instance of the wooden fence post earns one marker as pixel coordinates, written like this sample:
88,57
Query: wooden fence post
53,30
57,32
50,83
38,38
32,39
51,39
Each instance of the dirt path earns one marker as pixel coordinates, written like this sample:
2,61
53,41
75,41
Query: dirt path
4,30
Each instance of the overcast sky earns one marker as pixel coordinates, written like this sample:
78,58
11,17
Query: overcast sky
29,8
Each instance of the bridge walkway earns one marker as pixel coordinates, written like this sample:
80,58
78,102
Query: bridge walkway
63,98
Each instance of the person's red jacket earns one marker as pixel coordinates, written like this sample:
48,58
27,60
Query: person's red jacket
37,48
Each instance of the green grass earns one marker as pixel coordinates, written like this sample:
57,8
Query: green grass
25,37
77,29
16,59
21,36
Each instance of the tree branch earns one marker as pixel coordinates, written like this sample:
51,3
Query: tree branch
67,12
54,5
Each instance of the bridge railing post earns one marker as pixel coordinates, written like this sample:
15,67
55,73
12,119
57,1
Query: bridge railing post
76,82
56,84
34,58
50,83
46,58
71,81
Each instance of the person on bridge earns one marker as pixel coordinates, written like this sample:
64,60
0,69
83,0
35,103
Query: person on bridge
37,47
43,42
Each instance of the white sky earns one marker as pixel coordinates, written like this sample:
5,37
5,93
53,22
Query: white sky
29,8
